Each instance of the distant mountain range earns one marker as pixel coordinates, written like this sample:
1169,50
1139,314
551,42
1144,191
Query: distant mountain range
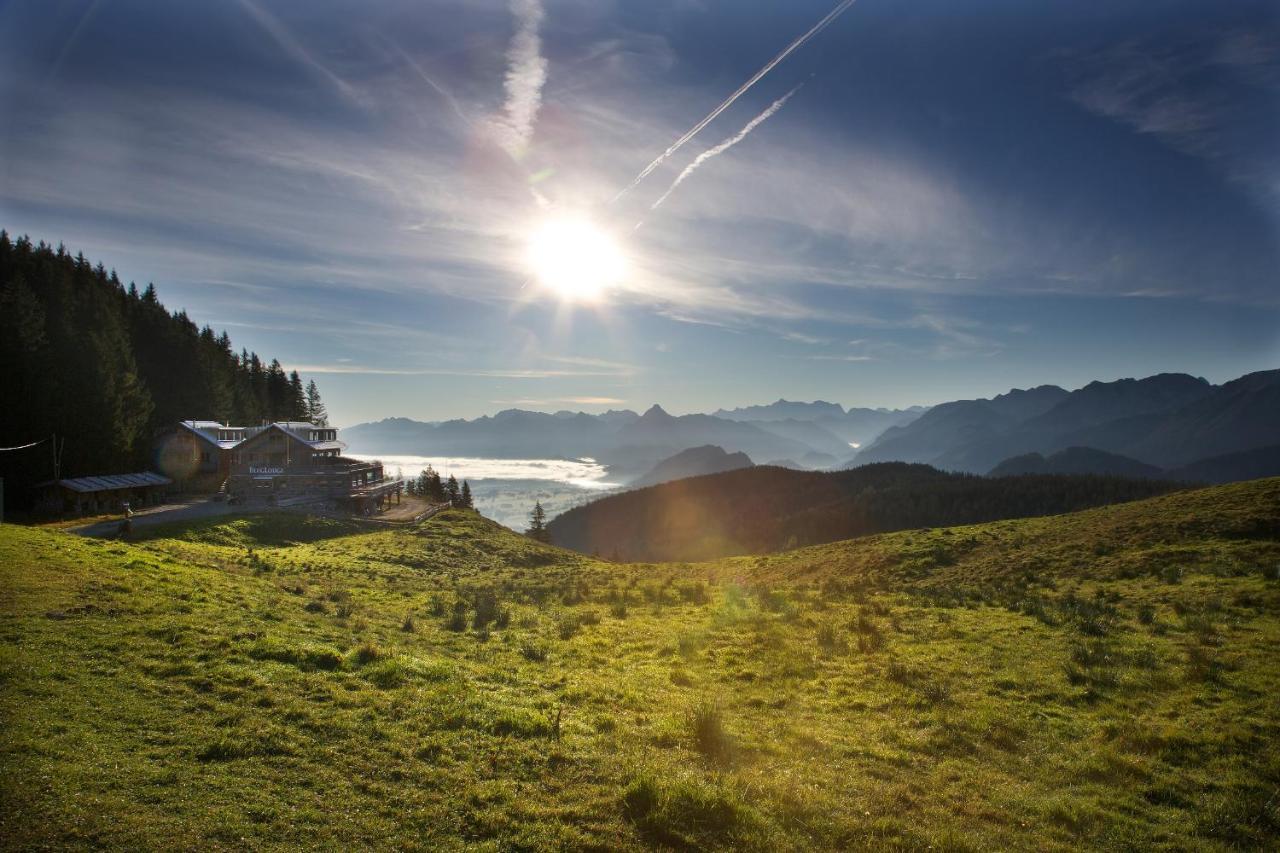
1164,425
855,426
815,435
1159,425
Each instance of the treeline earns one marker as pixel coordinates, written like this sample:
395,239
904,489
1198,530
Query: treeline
106,367
429,485
765,509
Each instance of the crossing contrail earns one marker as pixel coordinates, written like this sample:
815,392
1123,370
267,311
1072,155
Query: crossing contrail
727,102
725,146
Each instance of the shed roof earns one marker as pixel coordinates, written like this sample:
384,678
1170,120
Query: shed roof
111,482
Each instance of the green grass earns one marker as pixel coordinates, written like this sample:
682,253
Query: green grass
1108,679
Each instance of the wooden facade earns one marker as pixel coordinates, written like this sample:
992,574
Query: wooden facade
295,464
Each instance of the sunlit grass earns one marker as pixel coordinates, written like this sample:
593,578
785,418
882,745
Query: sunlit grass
1038,684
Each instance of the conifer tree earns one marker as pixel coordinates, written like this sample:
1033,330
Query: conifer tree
453,492
297,398
538,524
466,501
316,412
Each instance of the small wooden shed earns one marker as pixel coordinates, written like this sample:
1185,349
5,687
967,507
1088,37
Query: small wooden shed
109,493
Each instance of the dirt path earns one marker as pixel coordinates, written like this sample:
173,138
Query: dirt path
151,516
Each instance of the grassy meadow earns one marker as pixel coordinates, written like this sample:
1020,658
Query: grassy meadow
1107,679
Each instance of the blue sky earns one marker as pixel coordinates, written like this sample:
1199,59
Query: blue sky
960,198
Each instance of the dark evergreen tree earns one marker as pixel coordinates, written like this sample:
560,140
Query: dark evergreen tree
452,491
297,398
538,524
316,412
464,499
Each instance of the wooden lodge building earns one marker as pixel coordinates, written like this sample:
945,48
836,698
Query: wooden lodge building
289,463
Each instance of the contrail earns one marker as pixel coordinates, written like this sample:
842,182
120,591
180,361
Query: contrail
725,146
727,102
526,75
444,93
294,48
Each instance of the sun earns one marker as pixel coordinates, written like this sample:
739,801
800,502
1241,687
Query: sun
575,259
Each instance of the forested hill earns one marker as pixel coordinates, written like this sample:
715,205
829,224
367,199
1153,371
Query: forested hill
106,366
765,509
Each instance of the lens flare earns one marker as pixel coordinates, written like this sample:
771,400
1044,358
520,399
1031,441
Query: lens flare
575,259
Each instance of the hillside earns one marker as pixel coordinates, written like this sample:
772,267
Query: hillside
1075,460
765,509
694,462
1098,680
1227,468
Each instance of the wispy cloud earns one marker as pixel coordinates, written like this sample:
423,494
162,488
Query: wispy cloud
717,150
1186,93
840,357
525,77
492,373
576,401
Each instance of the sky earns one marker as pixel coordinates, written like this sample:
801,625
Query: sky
926,200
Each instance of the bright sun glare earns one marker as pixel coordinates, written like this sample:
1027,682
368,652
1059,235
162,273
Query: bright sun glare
575,259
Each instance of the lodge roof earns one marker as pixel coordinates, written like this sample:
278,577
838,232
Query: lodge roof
202,429
301,430
111,482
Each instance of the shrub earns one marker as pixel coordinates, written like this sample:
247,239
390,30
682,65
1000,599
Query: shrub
694,592
315,607
387,673
457,620
536,652
408,625
618,610
868,643
829,638
485,602
936,691
706,727
1202,665
1146,614
688,815
567,625
303,657
520,723
1171,574
367,653
899,672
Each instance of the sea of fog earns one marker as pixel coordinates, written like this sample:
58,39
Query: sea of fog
506,489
